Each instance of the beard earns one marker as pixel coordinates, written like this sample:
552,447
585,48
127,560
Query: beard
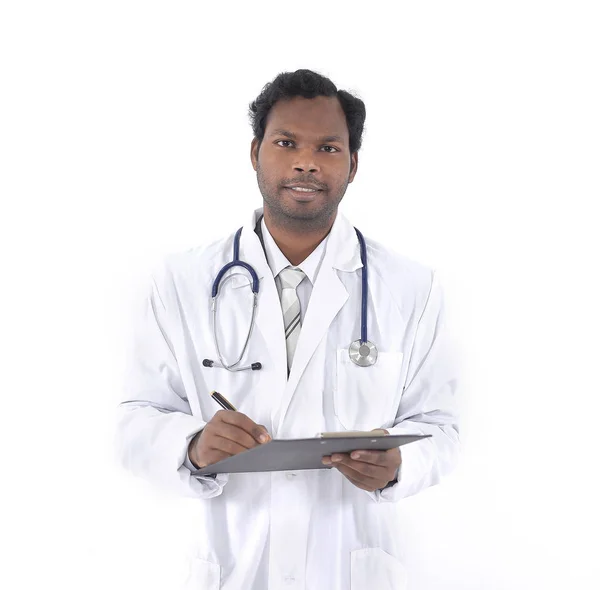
295,217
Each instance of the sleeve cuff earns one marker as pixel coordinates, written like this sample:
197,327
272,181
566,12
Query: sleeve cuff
206,486
187,463
202,478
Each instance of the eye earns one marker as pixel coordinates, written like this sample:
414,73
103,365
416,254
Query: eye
289,141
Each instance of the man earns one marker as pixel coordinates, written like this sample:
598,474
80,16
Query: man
333,528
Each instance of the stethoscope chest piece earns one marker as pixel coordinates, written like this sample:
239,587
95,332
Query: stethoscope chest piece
363,354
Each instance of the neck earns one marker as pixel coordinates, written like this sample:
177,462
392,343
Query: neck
297,245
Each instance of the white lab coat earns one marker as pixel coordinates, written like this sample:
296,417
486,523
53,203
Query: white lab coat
310,529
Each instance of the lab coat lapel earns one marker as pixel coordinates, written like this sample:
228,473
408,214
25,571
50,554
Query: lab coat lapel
327,298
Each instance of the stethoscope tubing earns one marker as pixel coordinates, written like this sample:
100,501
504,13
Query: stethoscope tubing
364,290
255,285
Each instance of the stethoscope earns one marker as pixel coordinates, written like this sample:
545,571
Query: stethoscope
362,352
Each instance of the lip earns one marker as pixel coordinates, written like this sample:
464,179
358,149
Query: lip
303,185
302,195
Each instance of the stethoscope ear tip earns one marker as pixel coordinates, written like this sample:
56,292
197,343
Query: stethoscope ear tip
253,366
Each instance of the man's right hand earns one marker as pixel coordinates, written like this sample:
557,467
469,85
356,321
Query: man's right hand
228,433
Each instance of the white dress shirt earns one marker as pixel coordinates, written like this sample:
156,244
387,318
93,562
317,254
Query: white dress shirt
309,266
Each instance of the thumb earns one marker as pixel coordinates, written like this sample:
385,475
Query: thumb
382,429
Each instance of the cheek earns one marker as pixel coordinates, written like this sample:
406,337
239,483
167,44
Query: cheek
339,180
267,175
340,172
271,169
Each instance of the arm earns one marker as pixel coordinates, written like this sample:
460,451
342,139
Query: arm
428,405
154,420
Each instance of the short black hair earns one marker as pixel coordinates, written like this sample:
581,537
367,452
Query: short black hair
307,84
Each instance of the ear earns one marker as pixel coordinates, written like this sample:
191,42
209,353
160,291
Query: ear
254,149
353,166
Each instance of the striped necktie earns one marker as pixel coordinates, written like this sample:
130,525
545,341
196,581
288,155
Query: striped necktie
290,305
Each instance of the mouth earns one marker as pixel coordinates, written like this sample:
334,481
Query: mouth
302,194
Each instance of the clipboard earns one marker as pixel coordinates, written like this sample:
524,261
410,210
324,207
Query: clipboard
296,454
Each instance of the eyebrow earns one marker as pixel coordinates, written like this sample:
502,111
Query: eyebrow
289,134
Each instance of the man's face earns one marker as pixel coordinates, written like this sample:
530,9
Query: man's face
306,141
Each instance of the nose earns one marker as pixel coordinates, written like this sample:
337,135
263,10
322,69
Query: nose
305,161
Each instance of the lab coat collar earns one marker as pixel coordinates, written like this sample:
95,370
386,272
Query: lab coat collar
277,260
342,253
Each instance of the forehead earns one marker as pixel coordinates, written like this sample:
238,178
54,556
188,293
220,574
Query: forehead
307,117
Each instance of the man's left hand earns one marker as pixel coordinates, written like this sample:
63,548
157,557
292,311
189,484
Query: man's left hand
367,470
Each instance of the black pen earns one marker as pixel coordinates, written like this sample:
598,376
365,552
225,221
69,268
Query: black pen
222,401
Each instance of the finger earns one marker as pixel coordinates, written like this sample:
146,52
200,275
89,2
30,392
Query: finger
384,430
374,457
233,433
361,467
389,459
328,459
226,445
242,421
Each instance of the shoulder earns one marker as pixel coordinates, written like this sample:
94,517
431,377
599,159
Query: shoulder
403,276
181,270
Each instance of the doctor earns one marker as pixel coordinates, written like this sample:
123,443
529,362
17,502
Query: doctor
335,528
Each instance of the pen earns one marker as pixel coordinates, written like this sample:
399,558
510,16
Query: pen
222,401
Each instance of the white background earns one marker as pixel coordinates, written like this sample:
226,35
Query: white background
124,136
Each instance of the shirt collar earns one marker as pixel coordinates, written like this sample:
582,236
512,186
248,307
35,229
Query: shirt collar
277,261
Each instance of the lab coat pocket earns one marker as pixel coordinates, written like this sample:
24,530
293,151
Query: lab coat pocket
374,568
363,397
204,575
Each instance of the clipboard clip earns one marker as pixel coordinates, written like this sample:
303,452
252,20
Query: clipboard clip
344,433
